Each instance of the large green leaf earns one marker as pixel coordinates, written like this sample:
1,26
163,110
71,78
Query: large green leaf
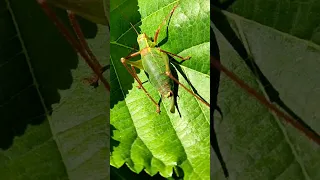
61,122
298,18
143,139
256,144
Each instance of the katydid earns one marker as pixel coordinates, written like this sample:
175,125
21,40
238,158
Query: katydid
79,45
155,62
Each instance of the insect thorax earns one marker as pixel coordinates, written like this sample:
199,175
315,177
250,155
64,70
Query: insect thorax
144,41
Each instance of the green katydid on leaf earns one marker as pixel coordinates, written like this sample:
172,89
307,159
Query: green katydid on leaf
143,139
156,64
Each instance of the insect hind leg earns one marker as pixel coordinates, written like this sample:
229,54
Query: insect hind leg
163,23
168,73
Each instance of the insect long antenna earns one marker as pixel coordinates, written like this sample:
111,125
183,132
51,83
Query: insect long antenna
134,28
127,19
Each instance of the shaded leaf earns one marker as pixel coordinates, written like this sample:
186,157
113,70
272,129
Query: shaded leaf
255,143
298,18
61,122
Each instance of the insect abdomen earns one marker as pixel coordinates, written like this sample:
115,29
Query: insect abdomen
154,63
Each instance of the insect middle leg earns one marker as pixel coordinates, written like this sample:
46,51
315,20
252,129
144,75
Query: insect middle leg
134,75
169,74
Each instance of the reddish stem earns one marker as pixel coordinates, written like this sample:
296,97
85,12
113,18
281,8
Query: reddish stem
81,38
74,43
265,102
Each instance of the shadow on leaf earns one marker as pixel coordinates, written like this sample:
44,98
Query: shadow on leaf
22,98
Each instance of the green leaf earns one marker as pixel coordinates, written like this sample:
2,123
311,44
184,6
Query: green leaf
298,18
142,139
125,173
255,143
53,126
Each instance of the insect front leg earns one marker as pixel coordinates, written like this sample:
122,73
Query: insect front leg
133,73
